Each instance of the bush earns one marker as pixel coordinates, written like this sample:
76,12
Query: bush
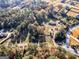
72,57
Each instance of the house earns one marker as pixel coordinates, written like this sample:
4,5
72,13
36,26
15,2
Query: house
22,46
74,11
58,7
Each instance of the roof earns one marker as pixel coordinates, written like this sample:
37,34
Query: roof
58,7
74,11
72,14
77,5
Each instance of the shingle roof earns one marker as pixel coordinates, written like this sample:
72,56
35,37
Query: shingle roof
74,11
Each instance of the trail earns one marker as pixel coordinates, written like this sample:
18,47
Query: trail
53,39
8,36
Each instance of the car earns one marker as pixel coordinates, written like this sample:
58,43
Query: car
60,43
77,16
63,1
52,23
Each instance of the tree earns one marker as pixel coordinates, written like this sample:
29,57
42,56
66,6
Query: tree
60,37
36,33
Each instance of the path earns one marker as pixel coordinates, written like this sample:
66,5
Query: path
8,36
53,39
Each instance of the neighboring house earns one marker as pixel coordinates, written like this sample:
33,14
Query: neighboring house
22,46
58,8
74,12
